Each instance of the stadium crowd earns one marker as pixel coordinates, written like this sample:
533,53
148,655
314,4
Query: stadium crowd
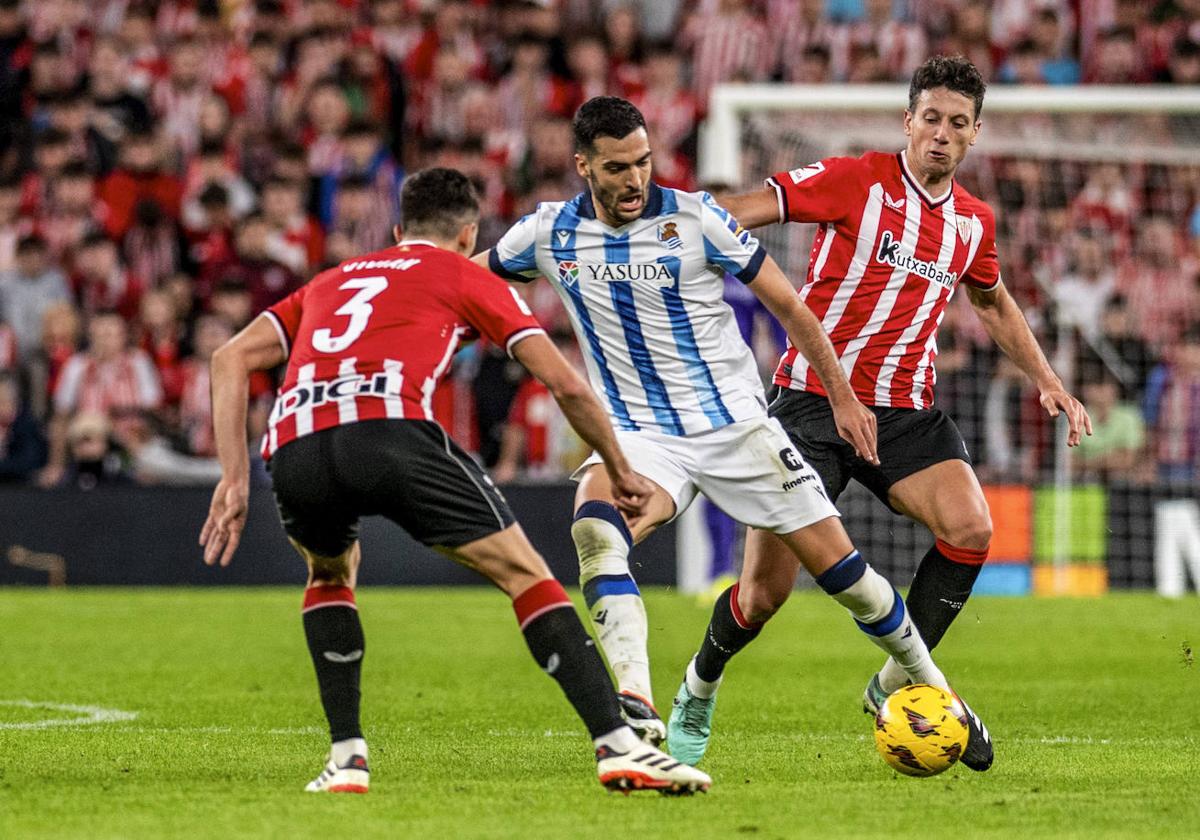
168,169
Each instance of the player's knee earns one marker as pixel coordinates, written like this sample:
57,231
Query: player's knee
973,532
335,571
602,540
758,602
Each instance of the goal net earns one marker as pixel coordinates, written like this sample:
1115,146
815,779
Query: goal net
1095,192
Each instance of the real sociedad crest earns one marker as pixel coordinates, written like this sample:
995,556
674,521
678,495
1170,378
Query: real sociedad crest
669,236
568,272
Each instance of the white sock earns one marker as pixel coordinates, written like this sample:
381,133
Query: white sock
614,603
342,751
620,740
891,676
871,600
698,687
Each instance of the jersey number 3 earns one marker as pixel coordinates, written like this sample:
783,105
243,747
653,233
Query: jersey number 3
359,310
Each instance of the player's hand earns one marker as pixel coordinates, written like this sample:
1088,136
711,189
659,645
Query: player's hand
222,530
856,424
1056,400
631,493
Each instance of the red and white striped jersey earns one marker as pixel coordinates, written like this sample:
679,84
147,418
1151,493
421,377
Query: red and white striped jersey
371,338
884,264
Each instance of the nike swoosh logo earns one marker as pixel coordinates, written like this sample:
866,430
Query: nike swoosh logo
343,658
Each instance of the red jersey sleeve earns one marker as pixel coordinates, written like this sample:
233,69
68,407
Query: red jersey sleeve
820,192
984,270
285,315
493,307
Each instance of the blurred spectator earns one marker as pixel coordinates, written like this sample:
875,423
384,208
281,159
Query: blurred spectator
92,457
358,227
116,110
1157,281
22,447
71,113
27,291
670,109
1111,452
231,300
897,46
61,328
587,60
179,97
327,114
730,43
213,167
1172,409
153,247
365,155
797,27
107,377
51,152
71,212
1183,67
296,240
102,282
162,340
1084,291
152,460
253,267
138,176
13,225
529,92
1116,60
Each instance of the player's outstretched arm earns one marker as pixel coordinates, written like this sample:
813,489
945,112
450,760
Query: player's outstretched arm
753,209
585,414
257,347
1006,324
854,422
481,259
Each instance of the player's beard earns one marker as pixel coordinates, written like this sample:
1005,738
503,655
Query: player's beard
608,199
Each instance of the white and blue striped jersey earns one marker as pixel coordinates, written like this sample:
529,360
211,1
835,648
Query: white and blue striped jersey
663,349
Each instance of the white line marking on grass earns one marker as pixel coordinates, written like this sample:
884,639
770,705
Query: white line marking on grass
90,714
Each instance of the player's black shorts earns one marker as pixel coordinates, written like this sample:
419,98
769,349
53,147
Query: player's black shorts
406,470
909,441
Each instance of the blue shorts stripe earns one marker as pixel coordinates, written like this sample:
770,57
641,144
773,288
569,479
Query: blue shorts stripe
843,574
602,586
888,624
609,513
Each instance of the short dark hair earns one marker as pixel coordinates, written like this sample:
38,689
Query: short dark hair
605,116
438,201
953,72
32,242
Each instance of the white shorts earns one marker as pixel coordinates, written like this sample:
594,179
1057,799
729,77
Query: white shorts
748,469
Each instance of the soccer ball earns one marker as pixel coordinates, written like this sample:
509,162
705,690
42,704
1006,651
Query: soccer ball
921,730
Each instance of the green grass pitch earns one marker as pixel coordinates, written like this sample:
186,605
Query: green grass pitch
1093,706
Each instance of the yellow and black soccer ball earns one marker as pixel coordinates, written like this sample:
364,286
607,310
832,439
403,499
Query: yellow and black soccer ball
921,730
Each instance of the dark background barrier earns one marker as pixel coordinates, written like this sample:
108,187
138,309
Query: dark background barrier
147,536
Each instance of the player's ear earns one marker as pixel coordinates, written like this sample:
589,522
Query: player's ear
907,123
397,233
467,235
975,133
581,166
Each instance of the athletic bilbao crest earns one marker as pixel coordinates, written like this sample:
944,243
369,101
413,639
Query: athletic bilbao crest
964,229
568,272
669,236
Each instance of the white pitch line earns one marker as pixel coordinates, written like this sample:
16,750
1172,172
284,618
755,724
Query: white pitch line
91,714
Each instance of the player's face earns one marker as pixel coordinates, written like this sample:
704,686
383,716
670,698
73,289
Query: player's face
618,172
940,130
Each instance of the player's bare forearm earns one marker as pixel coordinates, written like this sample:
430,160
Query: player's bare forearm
803,328
753,209
257,347
1006,324
854,422
481,259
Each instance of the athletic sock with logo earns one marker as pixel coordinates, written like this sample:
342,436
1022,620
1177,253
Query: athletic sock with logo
939,590
879,612
565,651
336,644
602,541
728,632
